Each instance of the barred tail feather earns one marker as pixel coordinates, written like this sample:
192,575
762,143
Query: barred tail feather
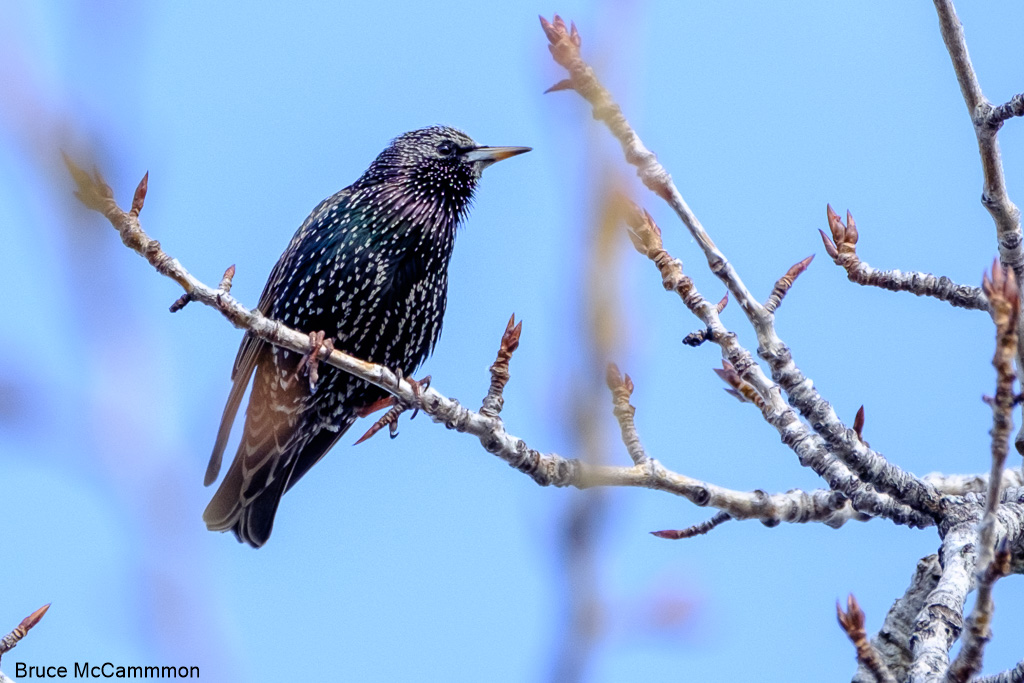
250,518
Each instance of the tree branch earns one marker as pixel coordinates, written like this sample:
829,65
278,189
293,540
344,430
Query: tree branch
545,469
844,254
986,121
852,621
1001,290
893,640
696,530
8,642
811,449
994,196
868,465
1014,675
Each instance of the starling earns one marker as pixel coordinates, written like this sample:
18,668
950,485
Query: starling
369,268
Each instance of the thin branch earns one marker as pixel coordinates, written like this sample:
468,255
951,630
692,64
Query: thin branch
1015,107
785,282
987,120
959,484
1014,675
622,388
494,401
843,251
830,507
11,639
809,447
994,196
545,469
1001,290
867,464
695,530
852,621
893,640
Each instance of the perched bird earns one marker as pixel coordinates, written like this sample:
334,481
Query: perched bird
369,268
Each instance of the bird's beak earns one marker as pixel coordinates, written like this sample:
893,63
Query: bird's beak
485,156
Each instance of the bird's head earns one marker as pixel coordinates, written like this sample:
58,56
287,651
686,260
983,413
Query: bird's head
438,164
446,150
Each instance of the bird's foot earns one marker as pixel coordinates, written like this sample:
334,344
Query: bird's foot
310,361
418,387
379,404
390,418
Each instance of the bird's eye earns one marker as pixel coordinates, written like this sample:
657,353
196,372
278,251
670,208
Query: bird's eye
446,148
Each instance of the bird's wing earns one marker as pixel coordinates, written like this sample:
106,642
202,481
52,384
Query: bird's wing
252,347
248,356
245,363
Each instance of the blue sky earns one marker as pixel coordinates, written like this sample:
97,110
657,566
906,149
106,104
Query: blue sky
425,558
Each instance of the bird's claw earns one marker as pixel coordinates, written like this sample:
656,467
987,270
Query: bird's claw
310,361
390,418
418,387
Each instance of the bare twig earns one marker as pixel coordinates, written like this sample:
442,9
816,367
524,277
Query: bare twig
843,251
1014,675
545,469
695,530
959,484
986,122
809,447
893,640
1001,290
11,639
868,465
494,401
1015,107
697,337
785,282
622,388
852,621
994,197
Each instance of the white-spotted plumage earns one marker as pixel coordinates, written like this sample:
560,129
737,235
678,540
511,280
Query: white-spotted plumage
368,267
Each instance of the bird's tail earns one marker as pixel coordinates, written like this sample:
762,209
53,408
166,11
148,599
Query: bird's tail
251,519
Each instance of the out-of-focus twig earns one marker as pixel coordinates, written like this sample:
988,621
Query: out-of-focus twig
622,388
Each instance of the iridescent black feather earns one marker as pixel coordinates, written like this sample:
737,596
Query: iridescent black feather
369,267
